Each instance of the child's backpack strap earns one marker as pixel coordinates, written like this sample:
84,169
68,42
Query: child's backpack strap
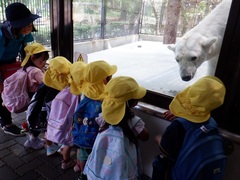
202,154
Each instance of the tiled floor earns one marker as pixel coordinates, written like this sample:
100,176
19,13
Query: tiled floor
20,163
17,162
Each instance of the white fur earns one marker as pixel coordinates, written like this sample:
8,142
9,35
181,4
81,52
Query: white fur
202,43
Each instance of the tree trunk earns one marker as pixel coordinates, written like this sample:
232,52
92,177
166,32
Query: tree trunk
170,29
123,15
155,15
162,12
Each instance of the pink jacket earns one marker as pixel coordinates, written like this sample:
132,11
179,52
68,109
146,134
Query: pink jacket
35,78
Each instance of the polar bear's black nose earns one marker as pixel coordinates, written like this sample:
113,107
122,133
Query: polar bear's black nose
186,78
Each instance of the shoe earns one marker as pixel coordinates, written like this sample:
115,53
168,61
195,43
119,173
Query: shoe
82,177
42,140
13,130
52,149
60,149
76,168
34,143
68,165
25,126
2,127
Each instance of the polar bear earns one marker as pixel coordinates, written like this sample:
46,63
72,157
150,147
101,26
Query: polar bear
202,43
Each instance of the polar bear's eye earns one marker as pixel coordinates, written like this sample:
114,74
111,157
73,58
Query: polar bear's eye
193,58
177,60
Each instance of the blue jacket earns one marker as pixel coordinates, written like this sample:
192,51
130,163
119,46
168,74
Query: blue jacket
11,46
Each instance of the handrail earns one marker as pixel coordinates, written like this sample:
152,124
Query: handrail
158,112
150,109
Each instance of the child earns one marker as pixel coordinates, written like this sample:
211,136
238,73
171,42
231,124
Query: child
121,94
60,125
96,75
194,104
56,78
36,56
39,107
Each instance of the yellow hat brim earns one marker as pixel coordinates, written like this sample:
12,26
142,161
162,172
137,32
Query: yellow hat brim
75,89
178,110
24,62
93,91
113,70
192,103
113,112
58,83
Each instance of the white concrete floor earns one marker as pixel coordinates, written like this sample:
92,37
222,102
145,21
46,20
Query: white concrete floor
152,64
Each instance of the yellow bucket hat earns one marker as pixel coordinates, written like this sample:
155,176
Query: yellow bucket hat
117,92
33,48
76,81
94,75
58,73
196,102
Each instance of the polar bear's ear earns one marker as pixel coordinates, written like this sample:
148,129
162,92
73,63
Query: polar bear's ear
209,41
171,47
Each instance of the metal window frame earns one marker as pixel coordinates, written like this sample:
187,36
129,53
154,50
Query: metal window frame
61,28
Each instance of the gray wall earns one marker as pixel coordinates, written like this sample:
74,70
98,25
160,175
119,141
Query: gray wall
103,44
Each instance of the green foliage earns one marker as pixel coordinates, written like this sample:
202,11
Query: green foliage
43,34
85,31
42,38
88,10
111,13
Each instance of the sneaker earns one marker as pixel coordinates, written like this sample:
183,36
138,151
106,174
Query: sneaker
2,127
42,140
76,168
82,177
68,165
34,143
52,149
60,148
13,130
25,126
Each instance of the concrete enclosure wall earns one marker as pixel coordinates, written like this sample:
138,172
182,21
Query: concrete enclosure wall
103,44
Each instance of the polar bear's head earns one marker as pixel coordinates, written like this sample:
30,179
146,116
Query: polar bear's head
191,52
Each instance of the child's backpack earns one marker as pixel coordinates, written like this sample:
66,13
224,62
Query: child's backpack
85,128
112,156
202,155
60,120
15,91
38,110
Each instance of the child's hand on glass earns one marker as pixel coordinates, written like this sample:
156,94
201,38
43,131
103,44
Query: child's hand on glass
169,116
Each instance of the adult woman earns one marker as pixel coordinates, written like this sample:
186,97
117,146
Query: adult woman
15,33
